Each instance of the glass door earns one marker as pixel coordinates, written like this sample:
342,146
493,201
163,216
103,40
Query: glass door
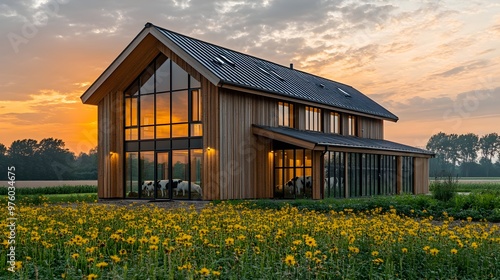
164,187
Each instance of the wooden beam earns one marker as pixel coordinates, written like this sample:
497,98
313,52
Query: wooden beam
399,174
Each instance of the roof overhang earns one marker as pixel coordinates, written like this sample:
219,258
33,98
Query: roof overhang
133,59
313,141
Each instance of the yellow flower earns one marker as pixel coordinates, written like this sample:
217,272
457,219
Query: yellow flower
434,251
375,253
153,247
354,250
404,250
215,273
378,261
454,251
101,265
115,258
123,252
241,237
18,264
154,239
309,254
474,245
205,271
92,276
297,242
75,256
290,260
90,260
229,241
130,240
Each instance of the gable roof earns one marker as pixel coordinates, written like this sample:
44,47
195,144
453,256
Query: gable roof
223,66
319,140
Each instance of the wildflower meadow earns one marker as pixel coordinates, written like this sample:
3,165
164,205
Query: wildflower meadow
225,241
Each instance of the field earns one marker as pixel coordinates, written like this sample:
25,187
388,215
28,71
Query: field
57,236
227,241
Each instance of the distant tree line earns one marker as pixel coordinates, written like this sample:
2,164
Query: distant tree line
47,160
465,155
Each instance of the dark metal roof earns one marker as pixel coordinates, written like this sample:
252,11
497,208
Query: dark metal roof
247,71
337,140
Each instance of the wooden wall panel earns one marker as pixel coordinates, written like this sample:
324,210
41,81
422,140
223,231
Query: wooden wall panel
211,139
421,175
245,159
110,146
370,128
317,174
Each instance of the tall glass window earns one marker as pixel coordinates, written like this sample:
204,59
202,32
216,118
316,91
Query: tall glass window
334,122
313,118
163,130
285,114
352,127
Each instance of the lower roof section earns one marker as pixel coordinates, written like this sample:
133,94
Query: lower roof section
315,140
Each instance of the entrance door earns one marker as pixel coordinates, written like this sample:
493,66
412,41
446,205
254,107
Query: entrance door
164,190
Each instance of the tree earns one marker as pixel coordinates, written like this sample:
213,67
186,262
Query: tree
22,156
3,162
58,160
468,147
489,145
445,160
85,166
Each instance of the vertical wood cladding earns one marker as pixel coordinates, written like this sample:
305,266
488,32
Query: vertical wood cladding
370,128
245,160
421,175
211,139
110,148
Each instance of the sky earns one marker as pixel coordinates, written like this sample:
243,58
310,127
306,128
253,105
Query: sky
434,64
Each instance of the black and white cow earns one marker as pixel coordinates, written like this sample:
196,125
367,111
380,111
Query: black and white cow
184,187
164,185
333,183
301,183
148,187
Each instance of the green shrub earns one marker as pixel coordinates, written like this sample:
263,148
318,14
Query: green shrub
445,189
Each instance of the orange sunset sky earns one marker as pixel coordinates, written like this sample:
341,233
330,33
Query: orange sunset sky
435,64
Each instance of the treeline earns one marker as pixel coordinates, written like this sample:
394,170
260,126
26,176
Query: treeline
465,155
47,160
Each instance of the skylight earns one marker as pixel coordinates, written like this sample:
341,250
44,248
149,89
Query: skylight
218,60
263,71
344,92
277,76
227,60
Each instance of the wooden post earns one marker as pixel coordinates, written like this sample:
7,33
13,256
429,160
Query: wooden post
346,174
399,174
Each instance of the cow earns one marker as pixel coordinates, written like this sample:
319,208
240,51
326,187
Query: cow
164,185
300,183
184,187
148,187
334,183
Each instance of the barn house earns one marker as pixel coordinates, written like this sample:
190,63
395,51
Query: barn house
179,118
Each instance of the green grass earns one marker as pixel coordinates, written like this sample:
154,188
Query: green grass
34,199
52,190
477,187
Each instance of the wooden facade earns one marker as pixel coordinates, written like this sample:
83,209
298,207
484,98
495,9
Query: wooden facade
237,163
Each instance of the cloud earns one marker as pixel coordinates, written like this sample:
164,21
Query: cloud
466,67
471,104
